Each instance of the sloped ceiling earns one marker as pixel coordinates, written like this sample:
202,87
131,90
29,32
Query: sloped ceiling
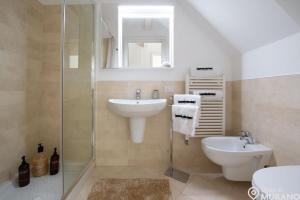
249,24
292,7
246,24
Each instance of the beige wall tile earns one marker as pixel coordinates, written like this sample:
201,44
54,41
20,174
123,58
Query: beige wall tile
114,146
270,109
29,80
20,55
50,80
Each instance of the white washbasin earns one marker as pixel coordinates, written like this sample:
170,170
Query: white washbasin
137,108
238,163
137,111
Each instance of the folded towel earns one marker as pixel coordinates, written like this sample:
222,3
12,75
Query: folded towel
187,99
206,71
209,94
185,119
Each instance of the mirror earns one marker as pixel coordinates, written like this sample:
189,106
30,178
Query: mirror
137,37
145,43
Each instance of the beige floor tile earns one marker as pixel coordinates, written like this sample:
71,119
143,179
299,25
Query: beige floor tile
199,187
176,187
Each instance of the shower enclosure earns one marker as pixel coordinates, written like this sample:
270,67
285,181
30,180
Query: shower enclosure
78,90
46,92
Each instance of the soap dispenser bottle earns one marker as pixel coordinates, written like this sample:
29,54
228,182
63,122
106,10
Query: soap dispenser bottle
40,163
54,163
24,173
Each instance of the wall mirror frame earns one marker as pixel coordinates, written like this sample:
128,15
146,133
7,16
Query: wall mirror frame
154,14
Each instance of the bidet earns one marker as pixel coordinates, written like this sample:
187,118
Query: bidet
238,161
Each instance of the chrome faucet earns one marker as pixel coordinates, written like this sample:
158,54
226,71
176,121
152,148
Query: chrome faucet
138,94
247,136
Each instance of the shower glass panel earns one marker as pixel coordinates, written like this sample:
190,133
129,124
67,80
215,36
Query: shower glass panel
77,90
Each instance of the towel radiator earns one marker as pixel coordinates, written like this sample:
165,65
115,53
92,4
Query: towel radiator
212,115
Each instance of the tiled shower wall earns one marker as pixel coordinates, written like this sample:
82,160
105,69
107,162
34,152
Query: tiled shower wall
50,80
21,63
29,80
270,109
114,146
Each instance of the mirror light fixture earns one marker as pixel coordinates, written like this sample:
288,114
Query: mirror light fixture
145,12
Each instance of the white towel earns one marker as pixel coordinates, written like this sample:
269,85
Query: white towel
206,71
187,99
185,119
210,94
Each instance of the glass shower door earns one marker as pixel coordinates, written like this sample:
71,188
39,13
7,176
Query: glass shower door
77,90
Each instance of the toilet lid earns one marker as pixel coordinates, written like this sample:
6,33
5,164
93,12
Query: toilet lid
285,179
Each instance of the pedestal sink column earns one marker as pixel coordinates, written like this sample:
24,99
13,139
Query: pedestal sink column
137,128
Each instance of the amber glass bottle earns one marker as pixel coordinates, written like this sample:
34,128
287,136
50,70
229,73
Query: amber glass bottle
24,173
54,163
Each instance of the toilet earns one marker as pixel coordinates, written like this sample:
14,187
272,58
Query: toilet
278,182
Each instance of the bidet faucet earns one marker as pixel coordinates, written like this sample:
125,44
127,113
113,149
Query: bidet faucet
247,136
138,94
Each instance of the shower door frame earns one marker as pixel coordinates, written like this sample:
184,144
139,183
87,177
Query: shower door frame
66,191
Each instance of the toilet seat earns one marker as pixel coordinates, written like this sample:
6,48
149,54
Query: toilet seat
285,179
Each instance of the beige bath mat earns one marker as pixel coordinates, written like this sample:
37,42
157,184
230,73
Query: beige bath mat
131,189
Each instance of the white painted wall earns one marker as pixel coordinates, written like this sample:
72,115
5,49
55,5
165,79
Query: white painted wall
248,24
276,59
195,45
